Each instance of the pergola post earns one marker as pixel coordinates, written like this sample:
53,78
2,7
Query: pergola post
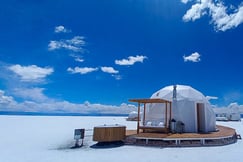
144,109
170,110
166,122
138,117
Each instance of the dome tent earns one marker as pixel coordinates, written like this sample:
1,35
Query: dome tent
182,92
189,106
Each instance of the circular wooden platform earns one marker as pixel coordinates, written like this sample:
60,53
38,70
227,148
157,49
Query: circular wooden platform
223,136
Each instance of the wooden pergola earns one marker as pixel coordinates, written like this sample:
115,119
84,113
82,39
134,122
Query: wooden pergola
146,101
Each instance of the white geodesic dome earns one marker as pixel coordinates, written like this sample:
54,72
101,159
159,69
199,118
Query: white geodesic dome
183,92
188,106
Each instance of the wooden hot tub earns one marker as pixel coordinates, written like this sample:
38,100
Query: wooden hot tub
109,133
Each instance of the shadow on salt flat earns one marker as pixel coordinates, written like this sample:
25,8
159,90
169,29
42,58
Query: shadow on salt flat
107,145
69,144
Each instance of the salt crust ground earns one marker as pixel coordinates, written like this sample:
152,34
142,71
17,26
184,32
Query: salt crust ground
47,139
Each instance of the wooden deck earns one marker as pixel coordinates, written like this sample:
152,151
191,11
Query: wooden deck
223,136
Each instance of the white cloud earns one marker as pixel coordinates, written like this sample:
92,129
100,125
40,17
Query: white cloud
75,44
61,29
110,70
117,77
194,57
5,99
220,14
33,94
31,73
197,10
232,107
131,60
185,1
77,40
53,45
77,58
7,103
211,98
80,70
224,21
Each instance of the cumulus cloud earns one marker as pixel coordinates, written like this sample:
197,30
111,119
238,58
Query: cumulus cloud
33,94
31,73
222,17
83,70
5,99
61,29
224,21
75,44
194,57
197,11
110,70
34,100
231,108
130,60
7,103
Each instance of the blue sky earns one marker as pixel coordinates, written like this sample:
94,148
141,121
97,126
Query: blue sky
62,55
